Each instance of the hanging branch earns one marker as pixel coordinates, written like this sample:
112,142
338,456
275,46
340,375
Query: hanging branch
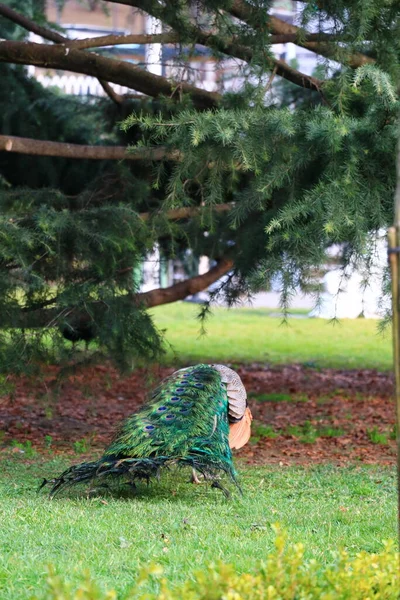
230,46
353,59
253,16
48,317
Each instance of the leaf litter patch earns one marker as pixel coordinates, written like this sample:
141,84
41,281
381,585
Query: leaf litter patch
301,415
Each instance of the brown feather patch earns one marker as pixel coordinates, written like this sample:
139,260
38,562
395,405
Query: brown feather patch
239,433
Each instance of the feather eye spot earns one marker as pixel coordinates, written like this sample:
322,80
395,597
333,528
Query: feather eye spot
175,399
198,385
169,417
180,390
184,411
149,429
161,408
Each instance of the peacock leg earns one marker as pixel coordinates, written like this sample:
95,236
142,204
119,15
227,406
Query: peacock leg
194,478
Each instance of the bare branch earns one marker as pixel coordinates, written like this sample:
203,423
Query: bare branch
231,47
20,145
53,36
187,211
59,39
244,11
116,40
48,317
309,37
181,290
354,60
29,25
111,93
173,38
116,71
33,147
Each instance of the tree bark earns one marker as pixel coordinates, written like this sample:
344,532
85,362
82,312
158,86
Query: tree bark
29,25
181,290
115,71
187,211
49,317
230,47
173,38
115,40
53,36
20,145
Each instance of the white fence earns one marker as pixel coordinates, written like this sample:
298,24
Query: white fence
79,85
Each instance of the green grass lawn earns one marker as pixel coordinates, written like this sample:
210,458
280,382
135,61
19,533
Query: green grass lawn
181,527
252,335
184,527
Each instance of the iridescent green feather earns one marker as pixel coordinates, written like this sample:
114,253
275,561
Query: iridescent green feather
185,423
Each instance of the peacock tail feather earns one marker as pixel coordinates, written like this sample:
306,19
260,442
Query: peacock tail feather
185,423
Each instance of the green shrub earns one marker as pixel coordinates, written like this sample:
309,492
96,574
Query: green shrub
284,575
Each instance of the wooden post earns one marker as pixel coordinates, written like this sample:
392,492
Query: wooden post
394,258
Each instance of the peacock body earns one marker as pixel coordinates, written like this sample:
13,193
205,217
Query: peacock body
193,418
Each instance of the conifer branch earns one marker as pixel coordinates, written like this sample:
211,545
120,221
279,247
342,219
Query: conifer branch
30,25
230,47
34,147
115,40
60,39
115,71
187,211
52,36
354,59
244,11
33,317
291,38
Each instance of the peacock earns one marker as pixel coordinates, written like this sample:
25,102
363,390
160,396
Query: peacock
194,418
